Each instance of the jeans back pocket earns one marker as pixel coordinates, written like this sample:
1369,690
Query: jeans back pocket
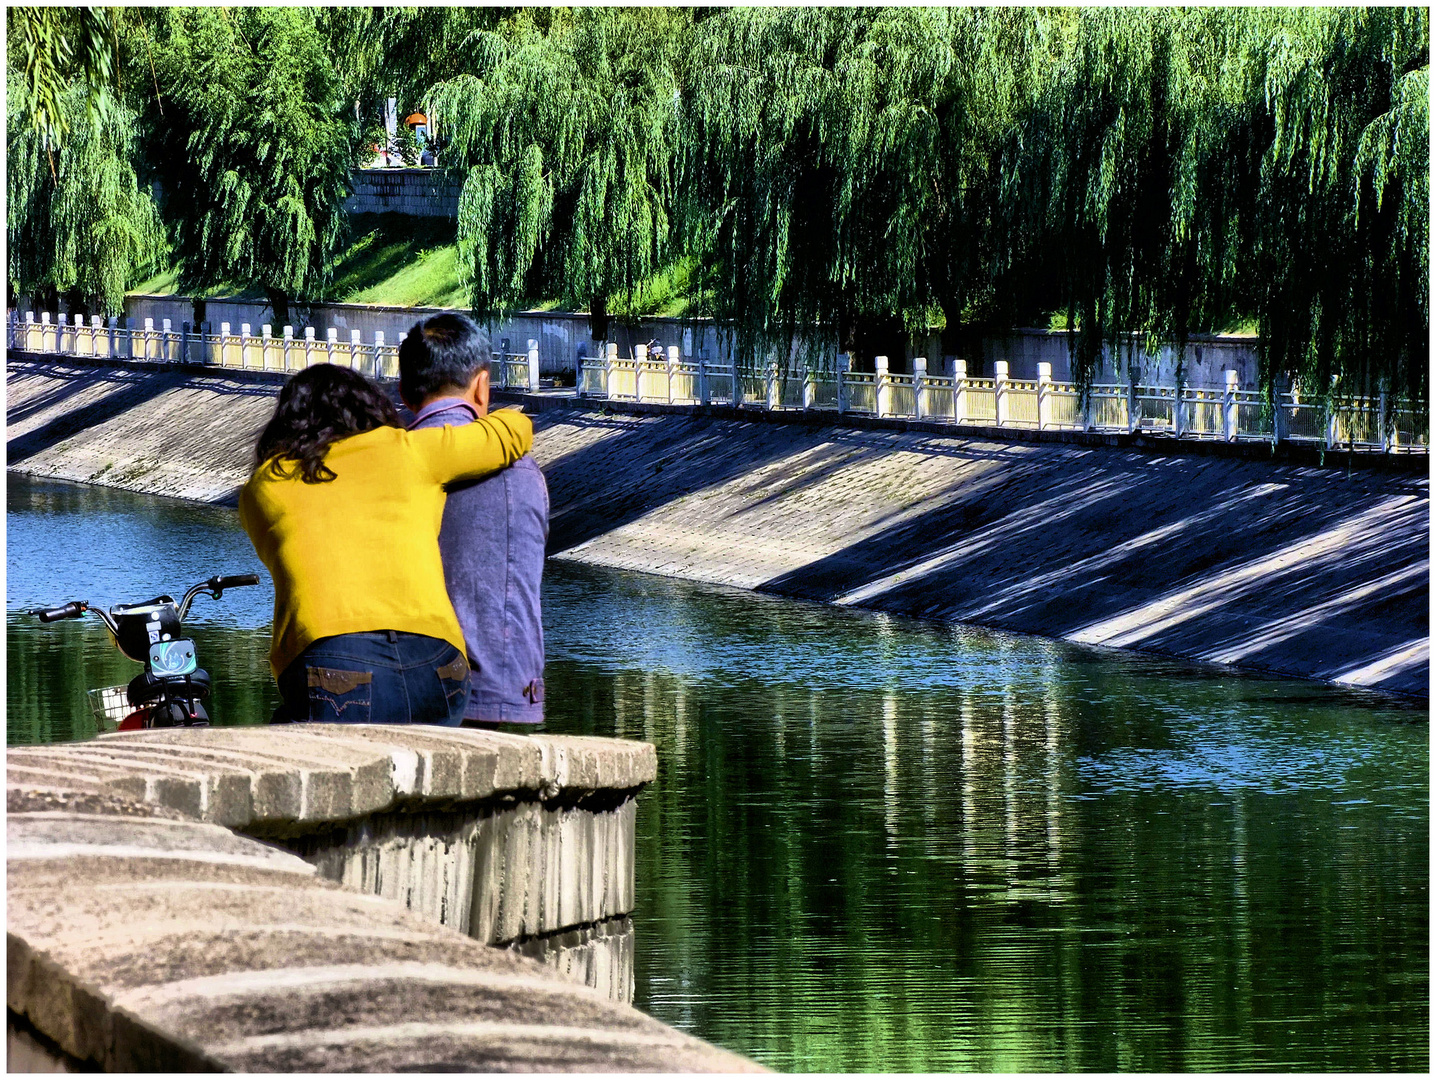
340,697
454,678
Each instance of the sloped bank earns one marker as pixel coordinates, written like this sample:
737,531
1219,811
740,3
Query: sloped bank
1285,566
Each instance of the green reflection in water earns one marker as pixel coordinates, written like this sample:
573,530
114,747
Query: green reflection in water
877,844
883,845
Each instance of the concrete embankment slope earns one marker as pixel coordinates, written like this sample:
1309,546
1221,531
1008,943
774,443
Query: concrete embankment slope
1320,572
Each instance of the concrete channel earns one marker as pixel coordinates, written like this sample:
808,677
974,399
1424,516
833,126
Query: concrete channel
322,898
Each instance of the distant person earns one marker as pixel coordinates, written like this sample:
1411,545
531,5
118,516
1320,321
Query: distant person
343,508
494,530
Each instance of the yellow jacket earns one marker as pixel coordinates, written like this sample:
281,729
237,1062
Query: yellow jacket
361,552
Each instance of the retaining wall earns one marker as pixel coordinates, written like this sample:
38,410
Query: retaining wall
150,929
1306,566
416,192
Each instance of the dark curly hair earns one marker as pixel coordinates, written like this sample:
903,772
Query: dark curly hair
318,407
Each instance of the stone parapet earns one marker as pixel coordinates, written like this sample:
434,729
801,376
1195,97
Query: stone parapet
506,838
295,779
141,939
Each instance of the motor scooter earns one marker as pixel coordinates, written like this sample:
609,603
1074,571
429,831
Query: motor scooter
171,690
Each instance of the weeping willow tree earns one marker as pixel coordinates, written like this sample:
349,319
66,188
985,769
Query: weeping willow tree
1178,168
1146,173
565,132
79,224
251,139
401,52
839,167
1338,241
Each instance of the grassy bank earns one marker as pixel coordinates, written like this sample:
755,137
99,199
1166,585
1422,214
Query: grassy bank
395,260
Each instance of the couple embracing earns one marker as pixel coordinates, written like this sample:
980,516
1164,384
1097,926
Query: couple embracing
406,558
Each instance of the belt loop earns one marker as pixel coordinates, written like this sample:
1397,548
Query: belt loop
393,637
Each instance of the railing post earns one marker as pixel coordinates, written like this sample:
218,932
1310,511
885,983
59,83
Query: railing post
844,360
1280,421
959,390
308,346
246,331
29,331
148,340
1132,416
224,336
266,335
999,394
773,396
703,393
129,327
379,354
97,324
810,390
114,336
884,391
1229,407
1044,396
640,361
331,339
286,334
610,357
354,344
919,392
1179,424
533,366
77,323
44,330
672,369
166,332
1089,409
1383,417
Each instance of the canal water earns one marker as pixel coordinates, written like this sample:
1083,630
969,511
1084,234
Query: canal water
880,844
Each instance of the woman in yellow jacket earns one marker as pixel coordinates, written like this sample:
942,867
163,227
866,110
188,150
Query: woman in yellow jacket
344,509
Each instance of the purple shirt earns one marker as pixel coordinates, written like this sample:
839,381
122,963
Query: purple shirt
492,542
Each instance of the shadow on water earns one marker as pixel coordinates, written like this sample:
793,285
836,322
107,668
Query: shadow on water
879,844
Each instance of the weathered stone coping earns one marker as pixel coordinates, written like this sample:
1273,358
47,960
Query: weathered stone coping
147,932
291,780
142,940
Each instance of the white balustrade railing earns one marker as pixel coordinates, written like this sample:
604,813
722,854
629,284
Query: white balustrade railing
1383,422
238,349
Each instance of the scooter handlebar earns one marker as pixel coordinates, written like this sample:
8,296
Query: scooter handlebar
73,610
233,581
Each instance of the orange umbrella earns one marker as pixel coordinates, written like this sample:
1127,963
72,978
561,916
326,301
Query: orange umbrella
416,118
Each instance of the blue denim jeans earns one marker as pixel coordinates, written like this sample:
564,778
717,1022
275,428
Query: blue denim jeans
377,677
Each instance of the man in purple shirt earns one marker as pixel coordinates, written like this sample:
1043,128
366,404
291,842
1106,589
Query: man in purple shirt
494,530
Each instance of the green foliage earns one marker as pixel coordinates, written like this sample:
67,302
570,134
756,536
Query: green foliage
1149,171
836,164
78,223
253,147
566,139
793,171
59,48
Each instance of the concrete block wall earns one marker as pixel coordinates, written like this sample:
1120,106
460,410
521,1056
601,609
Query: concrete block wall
417,192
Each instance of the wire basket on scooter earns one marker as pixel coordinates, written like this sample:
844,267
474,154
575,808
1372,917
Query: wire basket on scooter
110,706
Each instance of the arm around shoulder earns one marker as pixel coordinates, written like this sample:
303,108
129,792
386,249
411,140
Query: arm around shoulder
477,449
